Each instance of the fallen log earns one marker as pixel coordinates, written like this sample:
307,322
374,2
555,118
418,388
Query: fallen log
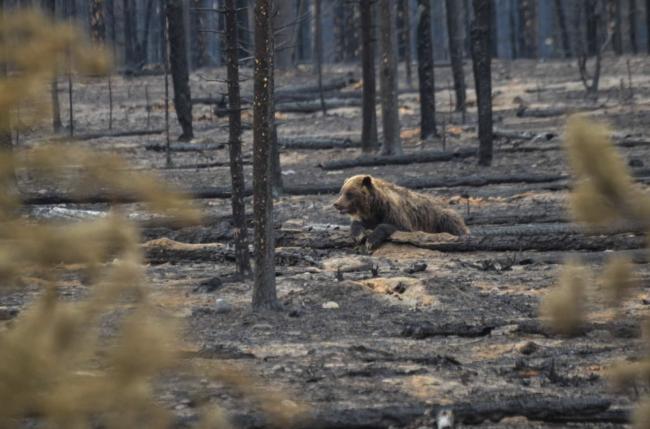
185,147
331,85
425,329
523,135
410,158
540,237
203,165
472,181
164,250
318,143
315,105
527,112
108,134
536,407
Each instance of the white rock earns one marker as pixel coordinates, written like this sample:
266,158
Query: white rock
222,306
330,305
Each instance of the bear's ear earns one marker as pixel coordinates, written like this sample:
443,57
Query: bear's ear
367,182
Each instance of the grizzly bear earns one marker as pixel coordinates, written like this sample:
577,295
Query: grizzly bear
384,208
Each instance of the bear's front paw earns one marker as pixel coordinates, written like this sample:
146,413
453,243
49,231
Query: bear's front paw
377,237
358,232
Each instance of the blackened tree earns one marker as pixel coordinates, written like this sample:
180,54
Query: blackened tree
264,290
179,67
482,63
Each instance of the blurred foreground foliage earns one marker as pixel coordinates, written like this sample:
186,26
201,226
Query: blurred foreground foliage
604,193
57,363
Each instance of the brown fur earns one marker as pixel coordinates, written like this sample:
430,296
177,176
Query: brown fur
373,202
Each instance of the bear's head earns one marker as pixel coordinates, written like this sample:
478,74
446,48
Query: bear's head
355,196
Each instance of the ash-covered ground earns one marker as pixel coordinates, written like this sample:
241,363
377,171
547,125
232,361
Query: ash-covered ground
382,339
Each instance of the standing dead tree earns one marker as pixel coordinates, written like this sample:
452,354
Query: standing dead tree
176,34
165,61
481,60
264,290
647,23
405,37
54,86
454,29
318,51
369,139
7,177
616,18
97,26
234,139
425,72
561,22
632,17
388,80
594,13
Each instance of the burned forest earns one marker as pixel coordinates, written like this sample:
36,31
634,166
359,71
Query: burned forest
324,214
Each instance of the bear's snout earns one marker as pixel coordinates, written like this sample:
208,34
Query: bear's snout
338,205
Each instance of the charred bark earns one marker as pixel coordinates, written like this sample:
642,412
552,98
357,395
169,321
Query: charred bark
200,44
425,72
615,14
411,158
97,22
130,33
179,67
234,140
8,177
632,17
54,84
405,38
388,80
481,60
561,22
318,52
369,138
454,17
264,290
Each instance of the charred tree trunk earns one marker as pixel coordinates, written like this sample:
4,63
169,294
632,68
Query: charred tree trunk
245,31
142,47
284,20
179,67
425,72
318,52
110,12
234,140
298,31
388,80
591,11
528,28
264,291
97,22
7,177
632,16
276,169
647,23
615,14
54,85
514,40
483,77
454,17
369,139
130,33
200,50
405,38
561,22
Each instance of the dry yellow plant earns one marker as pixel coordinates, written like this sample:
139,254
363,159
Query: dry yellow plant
604,192
58,364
